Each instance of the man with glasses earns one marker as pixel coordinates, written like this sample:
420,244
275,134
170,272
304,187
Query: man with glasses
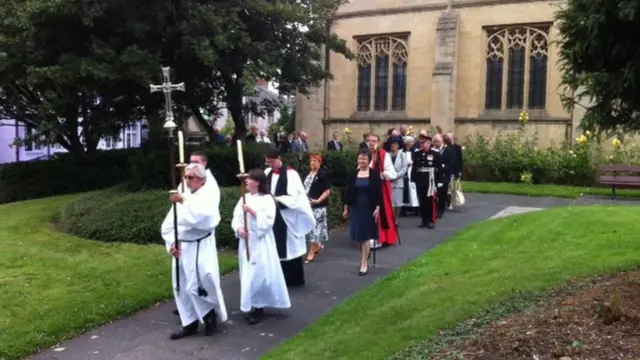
199,298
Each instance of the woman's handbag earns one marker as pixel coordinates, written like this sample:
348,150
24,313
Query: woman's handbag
458,194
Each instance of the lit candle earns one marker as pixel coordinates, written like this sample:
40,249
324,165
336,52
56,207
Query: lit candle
240,156
181,146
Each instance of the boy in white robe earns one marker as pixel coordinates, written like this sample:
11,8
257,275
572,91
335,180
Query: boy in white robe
294,217
199,298
262,282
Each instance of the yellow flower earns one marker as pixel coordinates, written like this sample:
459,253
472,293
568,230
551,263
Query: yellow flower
524,117
588,133
347,131
581,140
616,143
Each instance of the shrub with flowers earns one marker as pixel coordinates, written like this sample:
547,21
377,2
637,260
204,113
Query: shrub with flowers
516,158
348,141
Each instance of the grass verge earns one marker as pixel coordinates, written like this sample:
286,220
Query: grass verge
479,266
562,191
54,286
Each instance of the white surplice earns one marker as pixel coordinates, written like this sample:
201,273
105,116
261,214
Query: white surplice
388,168
212,183
262,282
413,195
196,219
298,215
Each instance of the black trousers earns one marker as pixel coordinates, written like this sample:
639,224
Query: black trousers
427,205
443,196
293,271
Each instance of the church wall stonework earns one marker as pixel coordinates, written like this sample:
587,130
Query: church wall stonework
426,104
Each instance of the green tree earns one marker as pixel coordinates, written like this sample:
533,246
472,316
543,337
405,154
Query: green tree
243,40
73,70
599,57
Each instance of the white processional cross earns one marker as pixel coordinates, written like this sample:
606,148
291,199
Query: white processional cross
167,88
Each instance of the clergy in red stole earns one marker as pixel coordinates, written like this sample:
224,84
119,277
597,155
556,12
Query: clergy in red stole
387,229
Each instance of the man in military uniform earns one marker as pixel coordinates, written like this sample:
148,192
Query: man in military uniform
427,164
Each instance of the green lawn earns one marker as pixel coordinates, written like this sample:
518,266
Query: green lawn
477,267
54,286
544,190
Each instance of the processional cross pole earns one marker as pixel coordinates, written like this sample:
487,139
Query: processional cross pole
167,88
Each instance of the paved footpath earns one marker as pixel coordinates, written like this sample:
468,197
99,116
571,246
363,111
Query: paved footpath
330,280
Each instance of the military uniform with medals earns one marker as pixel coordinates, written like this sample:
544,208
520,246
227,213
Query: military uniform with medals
425,173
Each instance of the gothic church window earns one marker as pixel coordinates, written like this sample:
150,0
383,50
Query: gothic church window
382,74
516,73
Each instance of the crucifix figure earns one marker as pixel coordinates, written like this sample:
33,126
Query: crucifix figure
167,88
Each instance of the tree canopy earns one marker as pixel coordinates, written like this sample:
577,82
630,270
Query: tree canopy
600,59
67,65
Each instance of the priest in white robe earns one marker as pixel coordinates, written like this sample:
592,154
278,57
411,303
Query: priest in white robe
199,157
199,298
294,217
262,282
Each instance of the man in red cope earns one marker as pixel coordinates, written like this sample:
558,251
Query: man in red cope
387,229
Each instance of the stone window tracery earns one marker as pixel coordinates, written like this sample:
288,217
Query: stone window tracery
382,73
516,73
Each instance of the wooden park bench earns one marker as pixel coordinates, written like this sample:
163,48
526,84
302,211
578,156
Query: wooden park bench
619,175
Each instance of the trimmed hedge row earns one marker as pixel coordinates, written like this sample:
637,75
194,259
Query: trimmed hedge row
65,174
151,170
114,215
509,158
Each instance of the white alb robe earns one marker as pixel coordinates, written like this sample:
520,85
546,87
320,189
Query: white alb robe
413,195
262,282
196,218
298,216
212,183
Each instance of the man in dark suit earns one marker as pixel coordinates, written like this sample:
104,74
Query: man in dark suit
364,144
449,169
450,138
335,144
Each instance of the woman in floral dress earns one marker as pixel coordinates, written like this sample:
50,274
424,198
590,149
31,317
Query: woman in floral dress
318,190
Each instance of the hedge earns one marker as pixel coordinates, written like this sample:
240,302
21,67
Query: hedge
509,158
114,215
151,170
65,174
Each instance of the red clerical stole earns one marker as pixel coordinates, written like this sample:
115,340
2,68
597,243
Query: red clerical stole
387,229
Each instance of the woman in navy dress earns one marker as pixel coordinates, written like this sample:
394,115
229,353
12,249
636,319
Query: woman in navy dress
362,206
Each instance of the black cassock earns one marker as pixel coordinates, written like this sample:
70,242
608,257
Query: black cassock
293,269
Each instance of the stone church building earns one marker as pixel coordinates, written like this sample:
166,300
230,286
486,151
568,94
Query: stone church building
469,66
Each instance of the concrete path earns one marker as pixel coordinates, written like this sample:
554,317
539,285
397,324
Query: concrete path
330,280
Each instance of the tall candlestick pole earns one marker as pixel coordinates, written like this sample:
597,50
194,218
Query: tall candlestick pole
240,156
181,146
243,181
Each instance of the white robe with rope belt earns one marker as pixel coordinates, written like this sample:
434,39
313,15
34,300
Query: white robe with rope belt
196,219
262,282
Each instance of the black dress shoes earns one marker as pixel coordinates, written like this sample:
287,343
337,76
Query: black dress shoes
210,323
185,331
255,316
428,225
